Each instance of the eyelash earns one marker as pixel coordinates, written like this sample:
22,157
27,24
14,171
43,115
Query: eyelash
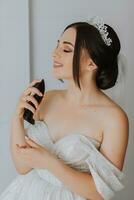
67,51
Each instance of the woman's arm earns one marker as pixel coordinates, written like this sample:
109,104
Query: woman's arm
78,182
115,137
18,137
17,125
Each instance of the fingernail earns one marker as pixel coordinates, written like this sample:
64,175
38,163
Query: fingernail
26,137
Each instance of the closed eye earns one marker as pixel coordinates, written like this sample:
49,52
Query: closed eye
66,51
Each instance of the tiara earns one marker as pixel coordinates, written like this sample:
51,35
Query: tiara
99,24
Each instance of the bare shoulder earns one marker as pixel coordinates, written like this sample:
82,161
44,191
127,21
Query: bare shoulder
114,112
115,135
116,116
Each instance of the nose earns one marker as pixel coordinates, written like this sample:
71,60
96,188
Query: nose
56,53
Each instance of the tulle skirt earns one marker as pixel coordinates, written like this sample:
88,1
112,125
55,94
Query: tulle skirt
32,187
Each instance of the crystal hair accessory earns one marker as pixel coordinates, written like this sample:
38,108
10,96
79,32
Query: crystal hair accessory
99,24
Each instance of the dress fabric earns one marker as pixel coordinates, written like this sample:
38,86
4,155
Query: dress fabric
76,150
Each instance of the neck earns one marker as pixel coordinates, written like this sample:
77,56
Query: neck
89,94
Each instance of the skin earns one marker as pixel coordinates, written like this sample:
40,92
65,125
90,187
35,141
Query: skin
95,114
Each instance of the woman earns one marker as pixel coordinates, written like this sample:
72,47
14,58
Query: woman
77,147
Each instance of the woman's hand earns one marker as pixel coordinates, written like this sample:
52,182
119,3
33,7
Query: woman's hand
25,98
34,155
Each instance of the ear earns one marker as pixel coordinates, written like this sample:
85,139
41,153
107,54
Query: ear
91,65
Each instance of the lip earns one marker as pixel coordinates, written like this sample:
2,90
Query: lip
58,64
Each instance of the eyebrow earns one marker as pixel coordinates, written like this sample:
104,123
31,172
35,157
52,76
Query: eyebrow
66,42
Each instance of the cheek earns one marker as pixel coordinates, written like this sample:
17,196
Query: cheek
69,61
68,66
66,72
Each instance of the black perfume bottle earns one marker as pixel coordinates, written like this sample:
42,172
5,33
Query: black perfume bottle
28,114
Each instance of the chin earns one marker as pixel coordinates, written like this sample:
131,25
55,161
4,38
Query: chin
59,75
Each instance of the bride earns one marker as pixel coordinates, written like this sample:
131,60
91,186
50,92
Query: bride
76,149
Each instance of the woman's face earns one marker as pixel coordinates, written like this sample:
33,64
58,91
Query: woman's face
63,55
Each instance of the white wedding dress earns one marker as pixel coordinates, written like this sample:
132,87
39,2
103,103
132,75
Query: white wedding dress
77,151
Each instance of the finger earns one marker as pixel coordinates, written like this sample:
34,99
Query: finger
29,107
19,149
32,143
23,151
21,146
32,99
26,138
32,91
34,81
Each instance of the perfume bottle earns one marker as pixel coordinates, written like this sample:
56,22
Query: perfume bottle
28,114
